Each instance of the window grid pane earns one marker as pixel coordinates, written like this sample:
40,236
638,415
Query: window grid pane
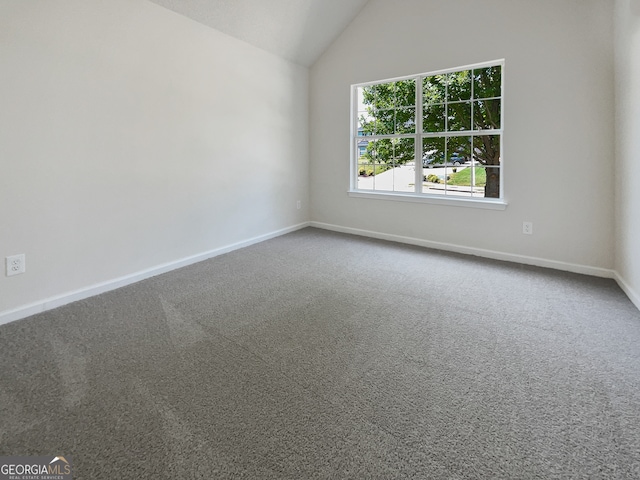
456,159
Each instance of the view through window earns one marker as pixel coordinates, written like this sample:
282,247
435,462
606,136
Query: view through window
450,120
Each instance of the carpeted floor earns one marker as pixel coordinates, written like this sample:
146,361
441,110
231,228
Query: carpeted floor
322,355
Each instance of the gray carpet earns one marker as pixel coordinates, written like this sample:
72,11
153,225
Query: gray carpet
321,355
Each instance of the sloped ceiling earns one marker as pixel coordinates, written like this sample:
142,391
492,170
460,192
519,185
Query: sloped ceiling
297,30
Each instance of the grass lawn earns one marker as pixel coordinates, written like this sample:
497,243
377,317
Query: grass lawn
463,177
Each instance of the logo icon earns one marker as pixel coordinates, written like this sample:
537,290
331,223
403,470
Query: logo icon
35,468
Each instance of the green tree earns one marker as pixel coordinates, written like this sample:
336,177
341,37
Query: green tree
390,110
468,100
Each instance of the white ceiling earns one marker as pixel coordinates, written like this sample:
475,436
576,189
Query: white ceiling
297,30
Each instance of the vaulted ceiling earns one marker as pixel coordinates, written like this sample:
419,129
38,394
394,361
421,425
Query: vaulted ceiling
297,30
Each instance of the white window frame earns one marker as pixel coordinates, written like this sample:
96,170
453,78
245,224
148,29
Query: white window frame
418,196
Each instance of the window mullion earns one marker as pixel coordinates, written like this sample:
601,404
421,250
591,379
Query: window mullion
354,138
473,102
463,133
418,137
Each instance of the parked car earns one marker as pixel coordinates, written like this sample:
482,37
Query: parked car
457,159
429,160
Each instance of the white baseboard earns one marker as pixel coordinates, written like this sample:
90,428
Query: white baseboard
509,257
60,300
450,247
626,288
81,294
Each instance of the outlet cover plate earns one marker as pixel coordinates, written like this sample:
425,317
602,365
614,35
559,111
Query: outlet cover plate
15,264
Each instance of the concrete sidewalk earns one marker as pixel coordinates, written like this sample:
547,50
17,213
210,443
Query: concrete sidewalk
399,179
403,179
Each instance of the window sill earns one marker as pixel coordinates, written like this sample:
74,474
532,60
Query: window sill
498,204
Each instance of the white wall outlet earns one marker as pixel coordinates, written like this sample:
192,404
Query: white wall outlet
527,228
15,264
299,204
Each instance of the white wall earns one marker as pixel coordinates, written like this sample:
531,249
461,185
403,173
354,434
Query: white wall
627,48
132,137
558,133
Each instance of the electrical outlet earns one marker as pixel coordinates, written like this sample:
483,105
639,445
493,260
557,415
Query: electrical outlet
299,204
527,228
15,264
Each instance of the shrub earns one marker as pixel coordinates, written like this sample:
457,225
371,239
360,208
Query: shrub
365,171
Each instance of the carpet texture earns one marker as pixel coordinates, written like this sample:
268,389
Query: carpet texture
322,355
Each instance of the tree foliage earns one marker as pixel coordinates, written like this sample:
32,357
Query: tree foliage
390,110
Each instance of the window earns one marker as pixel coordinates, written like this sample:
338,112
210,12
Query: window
450,121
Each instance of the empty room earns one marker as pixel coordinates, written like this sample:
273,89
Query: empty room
291,239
